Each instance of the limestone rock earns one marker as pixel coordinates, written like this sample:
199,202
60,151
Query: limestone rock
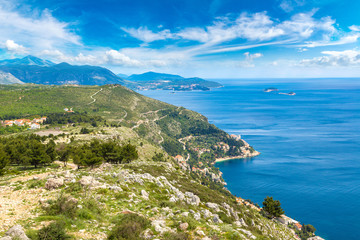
216,219
183,226
197,216
6,238
192,199
17,232
144,194
53,183
89,181
213,206
206,213
160,226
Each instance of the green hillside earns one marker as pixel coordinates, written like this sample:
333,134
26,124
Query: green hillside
106,170
179,131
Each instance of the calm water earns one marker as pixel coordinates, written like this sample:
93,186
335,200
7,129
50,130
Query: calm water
310,145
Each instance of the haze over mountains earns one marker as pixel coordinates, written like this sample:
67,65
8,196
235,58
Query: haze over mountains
31,69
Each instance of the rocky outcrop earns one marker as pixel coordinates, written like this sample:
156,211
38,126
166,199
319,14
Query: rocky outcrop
53,183
16,232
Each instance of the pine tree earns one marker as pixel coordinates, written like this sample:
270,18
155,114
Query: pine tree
272,207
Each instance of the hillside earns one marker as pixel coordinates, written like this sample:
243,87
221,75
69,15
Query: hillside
152,193
164,81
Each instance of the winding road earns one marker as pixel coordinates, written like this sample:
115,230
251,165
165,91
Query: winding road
92,96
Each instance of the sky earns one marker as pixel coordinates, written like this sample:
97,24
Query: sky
203,38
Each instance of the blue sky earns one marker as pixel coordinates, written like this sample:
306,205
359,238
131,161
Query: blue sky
205,38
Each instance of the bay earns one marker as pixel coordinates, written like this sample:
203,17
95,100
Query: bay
309,144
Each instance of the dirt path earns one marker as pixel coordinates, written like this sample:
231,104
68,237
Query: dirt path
92,96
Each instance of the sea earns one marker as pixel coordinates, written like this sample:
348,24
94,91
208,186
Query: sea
309,144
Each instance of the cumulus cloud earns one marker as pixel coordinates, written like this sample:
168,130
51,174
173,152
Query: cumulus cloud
249,59
118,58
39,30
11,46
334,58
354,28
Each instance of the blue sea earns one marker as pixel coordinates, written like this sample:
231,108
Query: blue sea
309,144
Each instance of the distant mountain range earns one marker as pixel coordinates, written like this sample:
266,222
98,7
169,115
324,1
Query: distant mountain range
31,69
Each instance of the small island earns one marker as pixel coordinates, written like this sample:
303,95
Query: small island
289,94
271,89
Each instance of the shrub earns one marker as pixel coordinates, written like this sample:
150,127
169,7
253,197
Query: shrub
54,231
176,236
225,218
64,205
129,226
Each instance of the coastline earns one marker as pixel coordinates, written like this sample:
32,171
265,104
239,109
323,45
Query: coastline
254,154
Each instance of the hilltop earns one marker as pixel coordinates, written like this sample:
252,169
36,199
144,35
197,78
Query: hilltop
164,81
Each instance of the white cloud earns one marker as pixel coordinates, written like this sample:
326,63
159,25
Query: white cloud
37,30
146,35
352,38
355,28
118,58
290,5
11,46
256,29
335,58
249,59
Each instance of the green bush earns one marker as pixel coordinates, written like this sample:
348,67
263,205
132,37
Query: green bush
64,205
54,231
176,236
225,218
129,227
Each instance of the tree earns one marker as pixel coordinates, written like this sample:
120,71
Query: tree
272,207
38,154
4,160
128,153
63,151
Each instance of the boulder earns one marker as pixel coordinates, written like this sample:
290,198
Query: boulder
183,226
213,206
206,213
185,214
216,219
6,238
197,216
17,232
89,181
200,233
192,199
242,222
160,226
115,188
144,194
248,233
53,183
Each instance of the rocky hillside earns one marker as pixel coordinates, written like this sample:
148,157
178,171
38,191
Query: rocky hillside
171,191
98,203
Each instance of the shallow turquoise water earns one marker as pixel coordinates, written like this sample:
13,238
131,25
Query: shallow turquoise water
309,144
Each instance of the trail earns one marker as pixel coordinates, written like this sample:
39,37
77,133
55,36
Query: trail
138,123
181,140
123,118
92,96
